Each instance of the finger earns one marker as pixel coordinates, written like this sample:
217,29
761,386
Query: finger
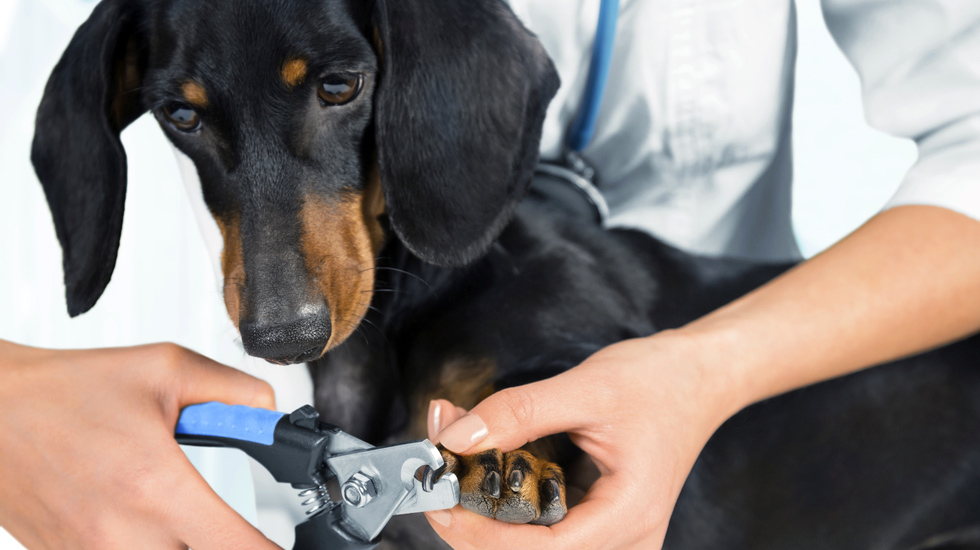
201,380
512,417
597,522
441,414
204,520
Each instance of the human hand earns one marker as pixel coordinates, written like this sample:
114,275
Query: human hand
89,458
641,409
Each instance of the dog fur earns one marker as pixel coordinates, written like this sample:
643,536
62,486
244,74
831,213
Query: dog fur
385,241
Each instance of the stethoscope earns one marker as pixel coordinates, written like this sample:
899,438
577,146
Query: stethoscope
571,168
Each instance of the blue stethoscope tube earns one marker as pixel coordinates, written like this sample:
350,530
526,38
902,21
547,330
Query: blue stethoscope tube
583,127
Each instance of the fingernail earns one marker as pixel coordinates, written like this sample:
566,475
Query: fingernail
435,420
464,433
442,517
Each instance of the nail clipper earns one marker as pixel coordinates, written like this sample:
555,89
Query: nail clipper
350,489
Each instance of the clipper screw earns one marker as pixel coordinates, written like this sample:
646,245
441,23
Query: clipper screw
359,490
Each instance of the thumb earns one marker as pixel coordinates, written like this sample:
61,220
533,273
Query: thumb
512,417
202,379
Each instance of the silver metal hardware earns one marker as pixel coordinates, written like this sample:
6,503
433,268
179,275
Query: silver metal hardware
397,491
317,498
359,490
580,183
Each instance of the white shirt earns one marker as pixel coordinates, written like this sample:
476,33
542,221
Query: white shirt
693,141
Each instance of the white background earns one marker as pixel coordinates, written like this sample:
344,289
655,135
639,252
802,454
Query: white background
164,287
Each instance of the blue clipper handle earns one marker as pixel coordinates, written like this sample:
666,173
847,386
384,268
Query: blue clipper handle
229,422
290,446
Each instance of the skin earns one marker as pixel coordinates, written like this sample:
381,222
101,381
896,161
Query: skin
642,409
89,459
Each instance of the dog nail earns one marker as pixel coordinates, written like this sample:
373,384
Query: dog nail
516,479
464,433
552,492
428,479
435,420
491,484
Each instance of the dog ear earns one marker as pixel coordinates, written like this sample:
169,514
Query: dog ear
458,114
90,97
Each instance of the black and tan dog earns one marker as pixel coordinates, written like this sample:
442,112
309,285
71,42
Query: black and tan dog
366,163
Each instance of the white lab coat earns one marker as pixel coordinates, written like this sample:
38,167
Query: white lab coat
694,138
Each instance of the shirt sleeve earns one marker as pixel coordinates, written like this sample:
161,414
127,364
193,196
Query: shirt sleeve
919,64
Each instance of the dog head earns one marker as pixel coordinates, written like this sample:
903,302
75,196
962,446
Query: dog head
315,126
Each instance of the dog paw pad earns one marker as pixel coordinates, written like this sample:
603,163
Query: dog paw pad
514,487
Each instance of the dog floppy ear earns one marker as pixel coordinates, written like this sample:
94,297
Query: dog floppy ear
90,97
458,114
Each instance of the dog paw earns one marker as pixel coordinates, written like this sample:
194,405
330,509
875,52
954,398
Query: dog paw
515,487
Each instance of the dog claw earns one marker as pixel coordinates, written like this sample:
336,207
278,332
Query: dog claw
492,484
430,477
516,479
552,493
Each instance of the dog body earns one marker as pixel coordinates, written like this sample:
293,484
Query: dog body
366,165
884,458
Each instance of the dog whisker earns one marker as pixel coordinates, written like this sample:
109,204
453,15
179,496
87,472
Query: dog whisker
359,264
386,290
372,308
402,271
357,324
381,332
364,336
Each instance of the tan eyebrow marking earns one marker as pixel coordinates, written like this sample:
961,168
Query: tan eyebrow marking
294,71
194,94
379,45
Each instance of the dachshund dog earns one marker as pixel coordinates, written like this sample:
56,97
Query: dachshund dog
367,163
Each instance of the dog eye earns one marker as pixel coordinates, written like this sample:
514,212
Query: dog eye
337,89
182,117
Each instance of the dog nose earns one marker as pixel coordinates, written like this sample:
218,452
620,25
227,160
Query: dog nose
297,340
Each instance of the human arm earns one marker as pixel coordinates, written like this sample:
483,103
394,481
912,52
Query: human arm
643,409
89,459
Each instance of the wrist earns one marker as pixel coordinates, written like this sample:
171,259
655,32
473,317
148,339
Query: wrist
718,366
